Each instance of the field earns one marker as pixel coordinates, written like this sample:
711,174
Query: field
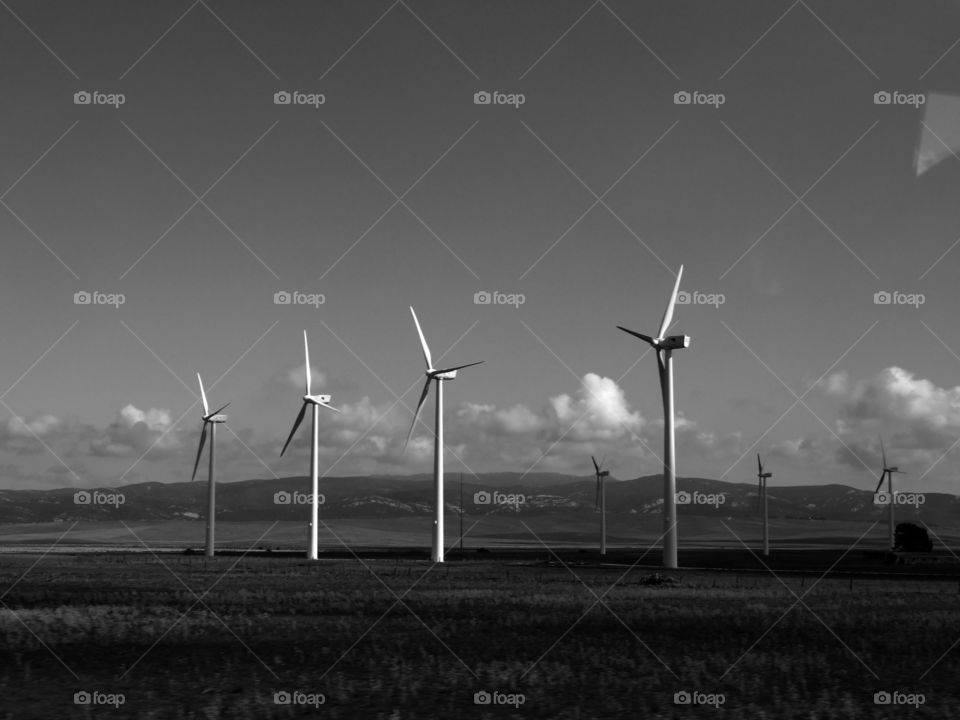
182,637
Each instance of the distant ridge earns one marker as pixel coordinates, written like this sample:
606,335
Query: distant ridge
411,495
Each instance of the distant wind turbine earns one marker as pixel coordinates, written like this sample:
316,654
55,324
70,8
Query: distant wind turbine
601,502
664,347
762,478
212,419
439,376
316,401
887,473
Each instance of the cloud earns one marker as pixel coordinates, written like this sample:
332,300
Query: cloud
27,436
134,432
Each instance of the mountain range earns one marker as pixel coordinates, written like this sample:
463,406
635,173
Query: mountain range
412,495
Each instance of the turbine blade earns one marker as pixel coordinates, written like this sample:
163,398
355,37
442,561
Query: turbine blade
306,357
416,414
879,483
196,464
668,313
759,465
217,412
203,396
423,341
595,466
646,338
328,407
458,367
303,410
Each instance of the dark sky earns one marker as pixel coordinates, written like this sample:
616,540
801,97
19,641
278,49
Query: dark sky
199,198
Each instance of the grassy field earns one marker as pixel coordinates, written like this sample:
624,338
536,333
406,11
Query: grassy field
490,531
182,637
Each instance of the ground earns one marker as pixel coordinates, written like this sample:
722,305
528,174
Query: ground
180,636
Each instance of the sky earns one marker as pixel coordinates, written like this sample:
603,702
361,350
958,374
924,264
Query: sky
790,195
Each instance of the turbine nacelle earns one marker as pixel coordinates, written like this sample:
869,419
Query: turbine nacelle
673,342
318,400
219,418
442,375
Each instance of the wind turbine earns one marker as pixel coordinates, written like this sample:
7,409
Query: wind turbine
316,401
439,376
212,419
664,347
762,478
601,503
887,474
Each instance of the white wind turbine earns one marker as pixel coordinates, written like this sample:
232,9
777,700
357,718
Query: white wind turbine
212,419
664,347
762,478
601,501
887,474
316,401
439,376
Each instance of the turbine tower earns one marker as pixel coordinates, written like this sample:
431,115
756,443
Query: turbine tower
601,502
664,347
887,473
439,376
212,419
316,401
762,478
